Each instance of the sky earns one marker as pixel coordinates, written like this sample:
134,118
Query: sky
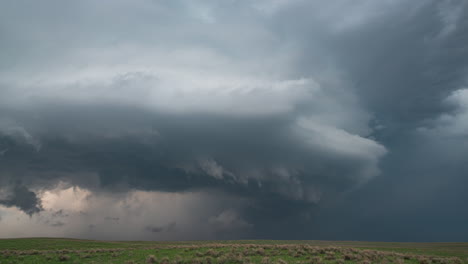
235,119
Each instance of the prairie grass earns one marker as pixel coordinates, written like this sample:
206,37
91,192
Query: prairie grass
234,252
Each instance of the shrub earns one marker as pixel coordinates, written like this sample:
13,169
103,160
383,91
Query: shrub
178,260
223,260
261,251
297,254
330,256
266,260
423,260
316,260
151,259
164,260
208,260
196,261
281,261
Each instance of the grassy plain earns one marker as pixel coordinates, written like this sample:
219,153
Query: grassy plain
58,250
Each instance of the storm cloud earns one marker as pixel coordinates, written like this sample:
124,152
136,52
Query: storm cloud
207,119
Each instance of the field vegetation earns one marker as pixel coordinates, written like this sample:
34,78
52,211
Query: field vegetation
51,250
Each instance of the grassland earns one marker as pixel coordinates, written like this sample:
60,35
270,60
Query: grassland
55,250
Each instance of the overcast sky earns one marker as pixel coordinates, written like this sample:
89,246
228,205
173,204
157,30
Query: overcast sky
274,119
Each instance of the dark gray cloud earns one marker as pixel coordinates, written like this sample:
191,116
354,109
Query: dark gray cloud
21,197
170,227
317,116
172,153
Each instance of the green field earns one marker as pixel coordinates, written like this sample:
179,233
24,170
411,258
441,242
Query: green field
56,250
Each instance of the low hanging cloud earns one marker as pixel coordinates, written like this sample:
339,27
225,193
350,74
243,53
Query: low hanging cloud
171,227
21,197
271,153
